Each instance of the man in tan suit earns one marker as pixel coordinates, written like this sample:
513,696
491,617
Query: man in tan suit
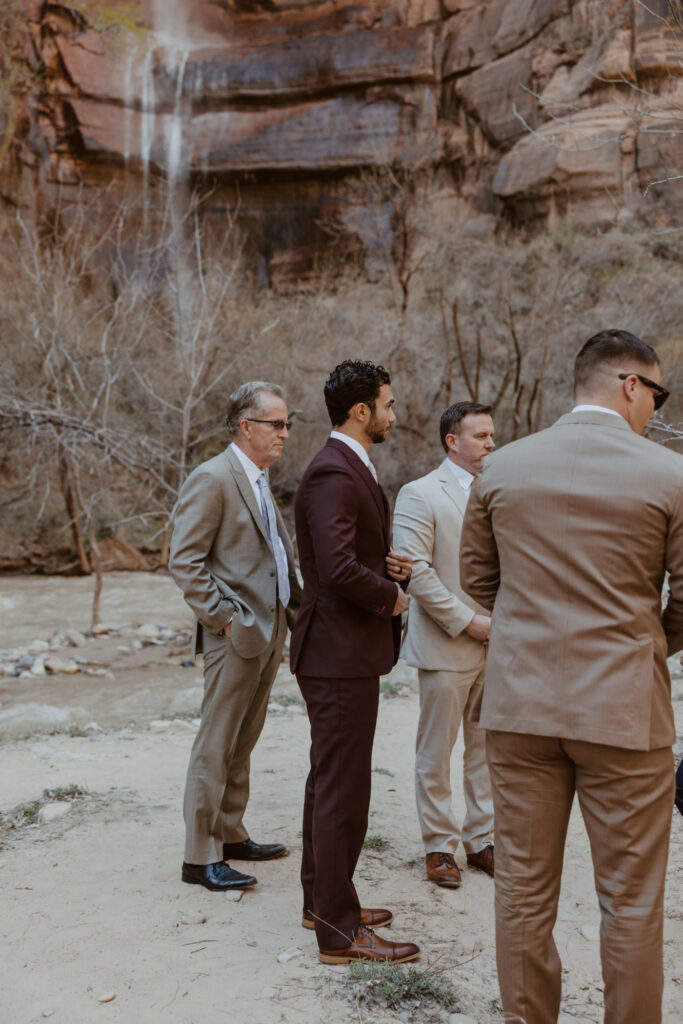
445,640
567,538
232,559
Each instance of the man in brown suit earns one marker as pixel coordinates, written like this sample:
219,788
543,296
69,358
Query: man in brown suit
346,635
567,537
232,559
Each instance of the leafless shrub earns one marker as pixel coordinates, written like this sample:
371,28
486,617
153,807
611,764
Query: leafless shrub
119,352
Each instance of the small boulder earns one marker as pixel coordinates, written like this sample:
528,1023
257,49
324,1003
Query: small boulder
180,725
289,954
38,647
103,628
192,917
50,812
55,664
149,633
75,638
159,725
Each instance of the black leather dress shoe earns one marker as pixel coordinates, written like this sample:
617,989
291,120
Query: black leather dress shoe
219,877
249,850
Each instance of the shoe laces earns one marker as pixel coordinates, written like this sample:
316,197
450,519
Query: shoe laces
447,859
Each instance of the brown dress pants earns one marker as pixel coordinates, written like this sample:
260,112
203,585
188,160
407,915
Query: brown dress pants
626,798
236,692
343,714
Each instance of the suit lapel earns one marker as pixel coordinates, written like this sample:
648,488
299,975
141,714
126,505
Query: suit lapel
368,479
245,489
452,488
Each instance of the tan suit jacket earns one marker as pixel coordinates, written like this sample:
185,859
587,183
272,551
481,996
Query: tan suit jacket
427,521
567,537
221,558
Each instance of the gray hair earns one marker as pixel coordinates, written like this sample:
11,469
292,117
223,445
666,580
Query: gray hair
246,400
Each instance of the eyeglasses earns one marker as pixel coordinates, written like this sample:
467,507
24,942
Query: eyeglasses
277,425
660,393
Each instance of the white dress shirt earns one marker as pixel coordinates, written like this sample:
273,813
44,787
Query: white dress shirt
463,476
594,408
250,468
356,447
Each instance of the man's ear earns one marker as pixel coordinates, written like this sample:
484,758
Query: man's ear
452,442
360,412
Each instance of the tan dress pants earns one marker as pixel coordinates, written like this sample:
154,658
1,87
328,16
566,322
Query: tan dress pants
236,692
446,699
626,799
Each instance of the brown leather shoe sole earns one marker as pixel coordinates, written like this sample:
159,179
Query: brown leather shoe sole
445,883
344,957
308,922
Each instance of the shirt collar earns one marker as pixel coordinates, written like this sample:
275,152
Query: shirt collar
354,445
594,408
463,476
250,468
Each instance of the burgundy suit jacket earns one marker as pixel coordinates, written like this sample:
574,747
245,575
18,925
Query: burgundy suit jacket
344,628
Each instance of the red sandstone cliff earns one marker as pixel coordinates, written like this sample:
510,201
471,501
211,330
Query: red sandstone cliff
529,109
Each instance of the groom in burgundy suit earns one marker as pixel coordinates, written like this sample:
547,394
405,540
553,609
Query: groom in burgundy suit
346,635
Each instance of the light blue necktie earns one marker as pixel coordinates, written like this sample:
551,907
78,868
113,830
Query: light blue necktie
277,547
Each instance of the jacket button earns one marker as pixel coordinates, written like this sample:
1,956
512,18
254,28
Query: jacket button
272,572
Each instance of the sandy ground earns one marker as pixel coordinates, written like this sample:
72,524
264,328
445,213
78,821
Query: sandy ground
91,902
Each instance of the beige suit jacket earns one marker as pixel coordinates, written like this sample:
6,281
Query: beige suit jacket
427,521
221,558
567,537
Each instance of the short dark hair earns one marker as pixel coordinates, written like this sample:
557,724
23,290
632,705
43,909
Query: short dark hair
455,414
353,381
611,346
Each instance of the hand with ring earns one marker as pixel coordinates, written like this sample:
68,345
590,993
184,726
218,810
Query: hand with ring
399,566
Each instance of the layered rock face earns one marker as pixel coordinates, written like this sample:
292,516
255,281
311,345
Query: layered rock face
525,110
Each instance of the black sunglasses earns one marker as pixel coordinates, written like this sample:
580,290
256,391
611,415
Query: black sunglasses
661,394
276,424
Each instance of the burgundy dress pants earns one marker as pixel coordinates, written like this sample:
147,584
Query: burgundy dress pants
343,714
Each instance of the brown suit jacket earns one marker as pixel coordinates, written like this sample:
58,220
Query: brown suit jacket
221,558
344,628
567,538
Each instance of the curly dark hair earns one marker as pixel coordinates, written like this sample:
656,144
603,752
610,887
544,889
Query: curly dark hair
353,381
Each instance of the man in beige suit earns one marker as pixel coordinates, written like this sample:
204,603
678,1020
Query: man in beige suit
445,640
232,559
567,538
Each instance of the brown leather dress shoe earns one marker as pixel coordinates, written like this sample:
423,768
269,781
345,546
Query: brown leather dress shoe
370,917
482,860
442,869
368,946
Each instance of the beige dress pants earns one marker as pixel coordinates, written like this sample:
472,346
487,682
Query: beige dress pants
446,699
236,692
626,799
